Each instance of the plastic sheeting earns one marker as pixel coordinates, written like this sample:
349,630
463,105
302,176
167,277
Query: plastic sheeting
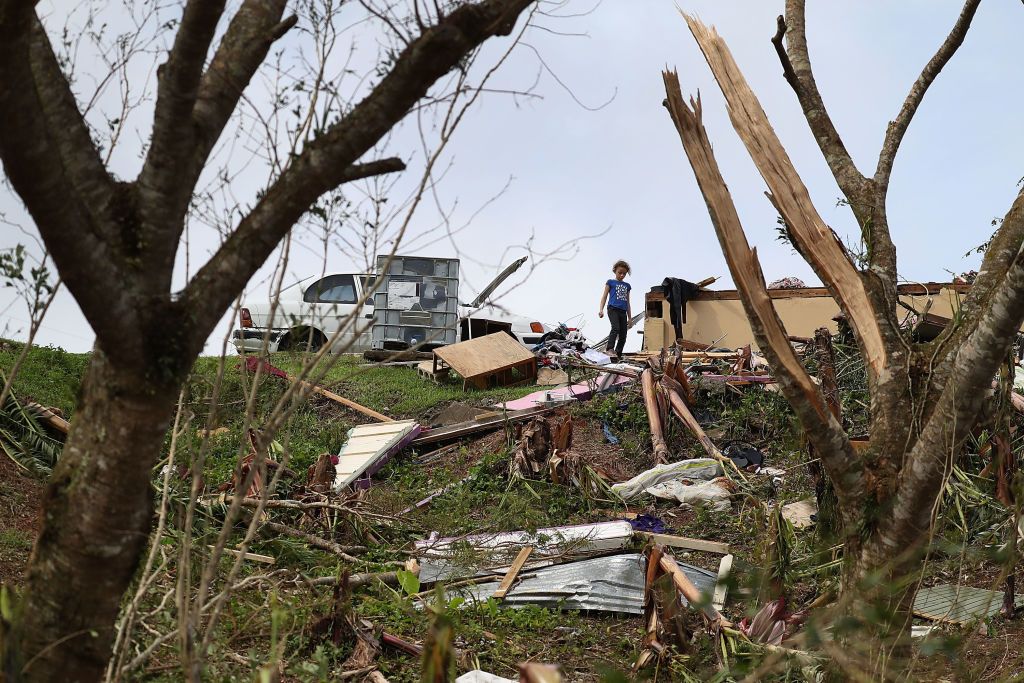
709,493
697,469
478,676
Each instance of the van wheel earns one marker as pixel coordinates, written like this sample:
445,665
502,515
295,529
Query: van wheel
303,341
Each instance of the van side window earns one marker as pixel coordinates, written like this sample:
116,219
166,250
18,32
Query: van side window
368,282
333,289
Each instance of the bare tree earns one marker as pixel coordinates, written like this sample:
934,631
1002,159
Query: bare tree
115,245
924,397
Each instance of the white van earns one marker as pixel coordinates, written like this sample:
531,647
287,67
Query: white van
311,312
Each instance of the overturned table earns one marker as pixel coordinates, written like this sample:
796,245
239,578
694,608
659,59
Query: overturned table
495,360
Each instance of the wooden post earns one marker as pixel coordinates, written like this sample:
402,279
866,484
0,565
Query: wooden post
654,417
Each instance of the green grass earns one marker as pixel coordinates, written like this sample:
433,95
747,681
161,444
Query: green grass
48,375
15,540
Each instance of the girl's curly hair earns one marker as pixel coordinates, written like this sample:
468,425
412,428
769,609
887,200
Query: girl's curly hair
621,264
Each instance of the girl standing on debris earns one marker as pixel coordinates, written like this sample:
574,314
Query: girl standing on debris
620,314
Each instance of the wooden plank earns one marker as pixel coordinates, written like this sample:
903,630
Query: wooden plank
722,585
513,572
484,355
476,426
684,542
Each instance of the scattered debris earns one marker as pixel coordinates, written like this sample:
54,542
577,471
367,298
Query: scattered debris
547,376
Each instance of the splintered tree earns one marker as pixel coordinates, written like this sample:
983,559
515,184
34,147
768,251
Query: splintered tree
115,244
924,397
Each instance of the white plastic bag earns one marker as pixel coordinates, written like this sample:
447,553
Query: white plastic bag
710,493
699,469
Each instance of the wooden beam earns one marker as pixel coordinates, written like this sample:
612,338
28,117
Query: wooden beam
722,584
707,281
684,542
49,417
690,591
513,572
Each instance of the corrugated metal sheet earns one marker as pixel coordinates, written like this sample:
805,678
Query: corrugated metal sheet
498,549
603,584
611,584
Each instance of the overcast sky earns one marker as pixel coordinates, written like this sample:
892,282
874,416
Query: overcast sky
578,168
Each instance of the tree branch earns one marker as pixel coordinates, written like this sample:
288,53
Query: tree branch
851,181
815,240
1000,256
324,163
803,394
80,156
164,198
253,29
898,127
47,153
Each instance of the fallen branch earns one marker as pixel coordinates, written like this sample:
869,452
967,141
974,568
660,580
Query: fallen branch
357,580
284,504
315,541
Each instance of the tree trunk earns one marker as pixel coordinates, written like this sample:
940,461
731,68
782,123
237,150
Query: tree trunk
98,515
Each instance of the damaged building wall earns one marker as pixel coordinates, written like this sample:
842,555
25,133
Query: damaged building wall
717,317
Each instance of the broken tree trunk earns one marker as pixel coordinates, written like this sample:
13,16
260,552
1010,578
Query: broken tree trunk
661,453
681,410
